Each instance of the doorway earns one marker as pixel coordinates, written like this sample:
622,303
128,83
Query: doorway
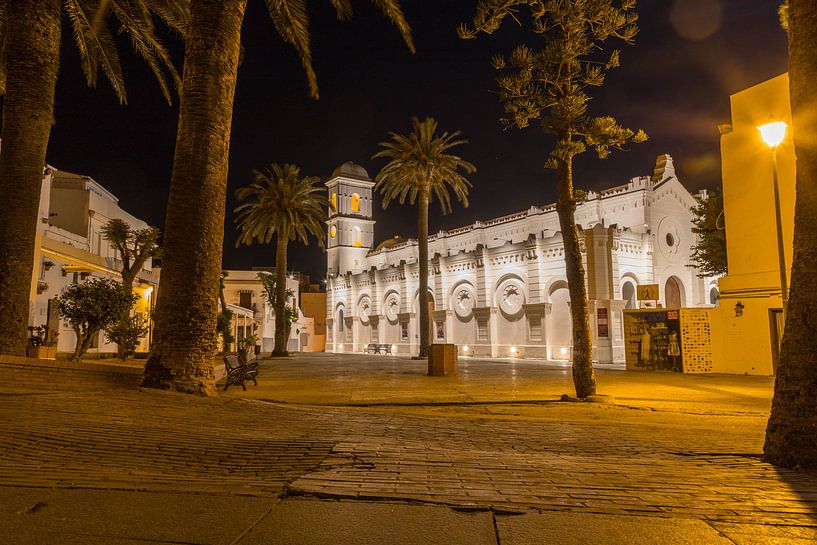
673,294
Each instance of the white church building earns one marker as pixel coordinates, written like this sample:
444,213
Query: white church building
498,288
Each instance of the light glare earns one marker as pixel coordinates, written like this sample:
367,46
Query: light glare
773,133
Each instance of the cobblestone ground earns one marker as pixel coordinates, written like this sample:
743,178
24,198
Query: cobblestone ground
593,458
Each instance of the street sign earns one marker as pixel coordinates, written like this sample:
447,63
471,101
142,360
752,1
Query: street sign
648,292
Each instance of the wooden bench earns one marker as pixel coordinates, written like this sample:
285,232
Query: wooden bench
239,371
374,348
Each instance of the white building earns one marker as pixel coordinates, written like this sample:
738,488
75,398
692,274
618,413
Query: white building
70,248
498,287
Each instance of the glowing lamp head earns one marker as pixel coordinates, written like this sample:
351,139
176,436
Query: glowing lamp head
773,133
513,350
563,351
340,347
465,348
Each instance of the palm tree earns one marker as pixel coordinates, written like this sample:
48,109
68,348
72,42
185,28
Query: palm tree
421,169
790,435
184,340
281,204
30,33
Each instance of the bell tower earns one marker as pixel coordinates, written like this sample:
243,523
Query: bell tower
350,232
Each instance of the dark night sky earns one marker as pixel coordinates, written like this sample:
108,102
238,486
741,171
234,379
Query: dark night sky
676,88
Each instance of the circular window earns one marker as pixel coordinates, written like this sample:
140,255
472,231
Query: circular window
511,297
333,232
670,240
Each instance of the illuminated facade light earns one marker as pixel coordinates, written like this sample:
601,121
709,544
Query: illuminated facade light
773,133
495,309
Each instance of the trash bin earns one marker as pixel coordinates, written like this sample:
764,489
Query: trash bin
442,360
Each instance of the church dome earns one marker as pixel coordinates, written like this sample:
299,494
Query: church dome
351,170
389,242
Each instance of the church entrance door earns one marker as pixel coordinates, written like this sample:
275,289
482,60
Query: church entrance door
672,293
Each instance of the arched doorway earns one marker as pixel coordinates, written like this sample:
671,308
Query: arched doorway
430,305
714,296
673,293
340,327
628,294
560,325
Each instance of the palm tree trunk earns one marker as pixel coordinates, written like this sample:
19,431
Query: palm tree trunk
186,312
791,434
584,379
422,296
32,47
280,294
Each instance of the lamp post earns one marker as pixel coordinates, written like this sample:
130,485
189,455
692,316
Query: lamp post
773,134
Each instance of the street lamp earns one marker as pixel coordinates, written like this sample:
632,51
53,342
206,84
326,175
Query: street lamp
773,134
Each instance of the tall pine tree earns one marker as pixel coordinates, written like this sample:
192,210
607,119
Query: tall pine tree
709,250
549,84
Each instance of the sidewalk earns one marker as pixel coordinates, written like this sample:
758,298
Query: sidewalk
669,459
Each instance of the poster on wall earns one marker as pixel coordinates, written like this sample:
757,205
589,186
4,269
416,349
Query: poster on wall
603,322
652,340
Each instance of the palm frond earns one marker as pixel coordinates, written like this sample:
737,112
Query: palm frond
135,20
420,162
279,200
97,48
392,10
87,54
101,14
292,23
344,9
2,47
174,13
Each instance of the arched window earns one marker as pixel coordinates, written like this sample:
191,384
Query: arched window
714,296
628,294
355,202
340,320
358,238
334,200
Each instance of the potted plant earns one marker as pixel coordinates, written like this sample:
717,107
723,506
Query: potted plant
245,344
42,343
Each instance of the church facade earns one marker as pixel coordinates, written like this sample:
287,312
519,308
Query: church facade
498,288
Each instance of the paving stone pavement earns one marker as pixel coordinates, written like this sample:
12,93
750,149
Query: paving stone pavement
688,472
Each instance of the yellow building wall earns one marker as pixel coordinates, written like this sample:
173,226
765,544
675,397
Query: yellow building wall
313,305
742,341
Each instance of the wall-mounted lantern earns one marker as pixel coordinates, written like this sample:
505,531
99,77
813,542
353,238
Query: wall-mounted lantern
738,309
